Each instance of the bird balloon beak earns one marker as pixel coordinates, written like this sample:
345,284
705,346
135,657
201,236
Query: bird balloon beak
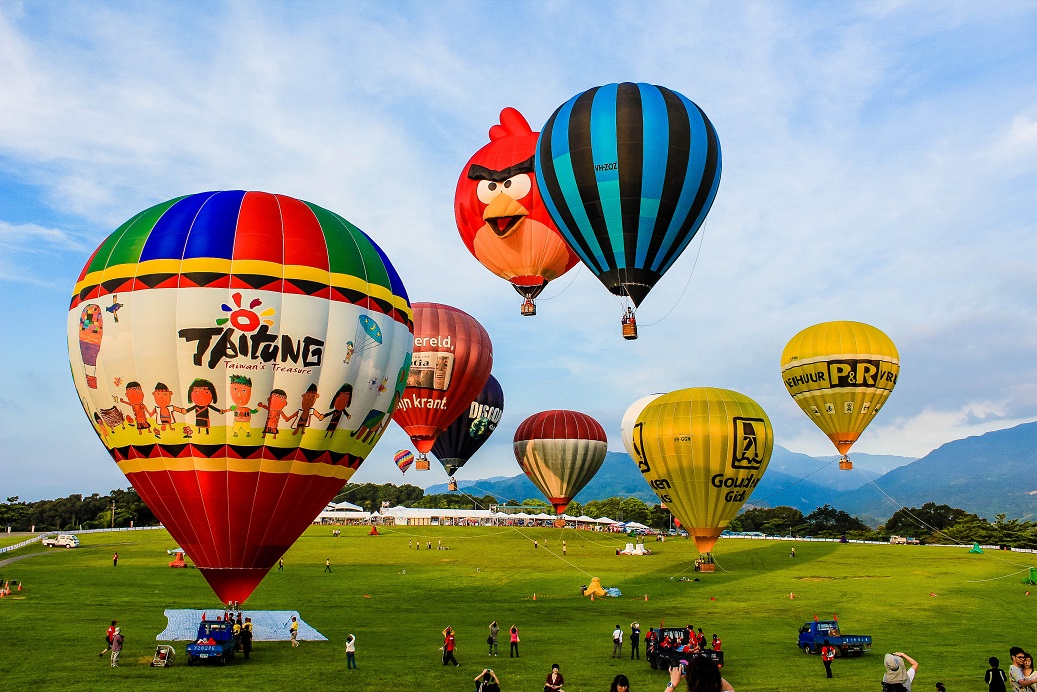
503,215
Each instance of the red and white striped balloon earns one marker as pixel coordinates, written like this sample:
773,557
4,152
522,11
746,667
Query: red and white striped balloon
560,451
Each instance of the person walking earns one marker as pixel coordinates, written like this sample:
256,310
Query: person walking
792,551
898,677
246,638
449,645
109,633
617,642
492,639
295,631
563,546
995,677
554,680
827,656
115,560
350,652
514,652
327,565
280,564
635,640
117,642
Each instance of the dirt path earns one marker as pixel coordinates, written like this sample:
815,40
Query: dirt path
4,563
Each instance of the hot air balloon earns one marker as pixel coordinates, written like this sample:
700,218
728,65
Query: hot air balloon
236,311
501,216
703,451
403,458
560,451
628,173
463,438
626,426
840,374
91,329
452,360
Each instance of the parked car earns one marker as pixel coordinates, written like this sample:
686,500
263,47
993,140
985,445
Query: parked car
813,634
64,540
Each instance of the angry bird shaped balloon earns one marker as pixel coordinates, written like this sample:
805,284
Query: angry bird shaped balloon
501,216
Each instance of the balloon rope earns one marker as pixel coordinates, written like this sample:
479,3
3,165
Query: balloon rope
578,270
777,492
702,240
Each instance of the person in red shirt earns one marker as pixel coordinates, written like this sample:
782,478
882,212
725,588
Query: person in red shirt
827,656
716,643
108,639
449,644
555,680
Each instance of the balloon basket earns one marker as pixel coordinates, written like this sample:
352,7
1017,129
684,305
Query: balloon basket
421,464
528,309
845,464
452,485
629,330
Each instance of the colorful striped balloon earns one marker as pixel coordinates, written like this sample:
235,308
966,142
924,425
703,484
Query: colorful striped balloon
628,173
403,458
230,389
560,451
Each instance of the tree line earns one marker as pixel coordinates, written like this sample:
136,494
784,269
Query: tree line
930,523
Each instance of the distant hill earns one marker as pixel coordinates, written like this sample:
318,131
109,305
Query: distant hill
988,474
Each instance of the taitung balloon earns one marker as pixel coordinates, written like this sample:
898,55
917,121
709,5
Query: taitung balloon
501,216
466,435
560,451
628,172
703,451
840,373
626,426
452,361
403,458
223,392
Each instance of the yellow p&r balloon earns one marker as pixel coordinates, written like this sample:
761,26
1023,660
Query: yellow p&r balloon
703,451
840,374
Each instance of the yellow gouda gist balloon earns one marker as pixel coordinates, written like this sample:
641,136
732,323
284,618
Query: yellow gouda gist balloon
703,451
840,374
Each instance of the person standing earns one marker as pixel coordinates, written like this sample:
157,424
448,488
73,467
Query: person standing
563,546
514,652
117,642
492,640
246,638
449,645
717,643
327,565
487,681
827,656
1016,673
115,560
295,631
617,642
792,551
554,680
350,652
898,676
280,564
995,677
635,640
109,633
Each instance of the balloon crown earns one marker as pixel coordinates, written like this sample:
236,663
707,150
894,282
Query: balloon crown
511,123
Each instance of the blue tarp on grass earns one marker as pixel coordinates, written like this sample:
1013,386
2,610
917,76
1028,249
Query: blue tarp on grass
267,626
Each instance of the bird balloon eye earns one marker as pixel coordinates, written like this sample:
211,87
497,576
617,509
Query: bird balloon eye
518,186
487,190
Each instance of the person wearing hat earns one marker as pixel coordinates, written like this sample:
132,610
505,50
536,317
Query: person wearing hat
898,676
117,640
554,680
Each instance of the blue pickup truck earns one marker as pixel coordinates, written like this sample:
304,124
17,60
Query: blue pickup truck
215,642
812,636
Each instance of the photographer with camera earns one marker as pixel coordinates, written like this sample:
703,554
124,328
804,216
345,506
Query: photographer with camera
699,674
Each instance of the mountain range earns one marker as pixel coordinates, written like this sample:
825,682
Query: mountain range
987,474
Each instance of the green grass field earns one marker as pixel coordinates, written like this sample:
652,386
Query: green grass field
54,629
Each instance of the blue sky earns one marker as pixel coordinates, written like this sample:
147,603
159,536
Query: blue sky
880,162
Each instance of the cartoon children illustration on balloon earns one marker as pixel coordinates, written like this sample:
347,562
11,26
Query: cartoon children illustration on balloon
164,412
240,393
343,398
303,415
202,394
274,405
135,400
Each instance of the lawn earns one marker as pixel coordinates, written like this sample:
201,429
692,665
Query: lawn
397,600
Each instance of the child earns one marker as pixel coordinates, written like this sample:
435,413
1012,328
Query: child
995,677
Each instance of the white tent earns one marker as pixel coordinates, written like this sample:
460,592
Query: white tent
606,520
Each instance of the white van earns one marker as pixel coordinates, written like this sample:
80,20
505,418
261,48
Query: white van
65,540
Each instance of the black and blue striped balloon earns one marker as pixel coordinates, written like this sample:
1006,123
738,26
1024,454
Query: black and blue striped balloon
628,172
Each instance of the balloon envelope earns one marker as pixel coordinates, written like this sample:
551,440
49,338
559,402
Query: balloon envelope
840,374
452,360
560,451
626,426
404,458
628,173
228,361
466,435
703,451
501,216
